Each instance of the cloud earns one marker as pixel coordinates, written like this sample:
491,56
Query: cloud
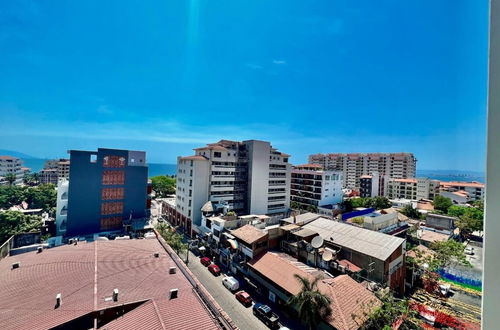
279,62
254,66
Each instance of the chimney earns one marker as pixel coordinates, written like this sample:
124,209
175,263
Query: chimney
173,293
157,255
172,270
40,249
58,300
16,265
115,295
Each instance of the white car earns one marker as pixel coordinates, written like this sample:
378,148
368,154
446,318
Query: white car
231,283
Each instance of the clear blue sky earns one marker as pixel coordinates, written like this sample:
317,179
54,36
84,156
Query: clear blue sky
309,76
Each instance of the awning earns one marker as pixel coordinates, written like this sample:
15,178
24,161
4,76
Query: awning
233,243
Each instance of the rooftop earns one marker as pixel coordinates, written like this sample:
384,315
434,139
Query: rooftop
194,158
302,219
248,234
432,236
85,275
368,242
473,184
5,157
350,301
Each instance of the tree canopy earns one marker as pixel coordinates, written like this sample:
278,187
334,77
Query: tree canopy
163,185
39,197
14,222
411,212
378,202
442,203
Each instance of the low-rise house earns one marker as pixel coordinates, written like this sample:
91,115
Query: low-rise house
440,222
427,236
379,256
474,189
251,240
173,216
387,221
351,302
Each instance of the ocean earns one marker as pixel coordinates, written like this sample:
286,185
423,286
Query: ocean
155,169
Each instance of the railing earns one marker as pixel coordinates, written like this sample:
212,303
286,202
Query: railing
5,248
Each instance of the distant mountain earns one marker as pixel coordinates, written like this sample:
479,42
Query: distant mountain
13,153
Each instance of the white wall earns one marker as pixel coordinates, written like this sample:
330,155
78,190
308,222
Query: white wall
258,175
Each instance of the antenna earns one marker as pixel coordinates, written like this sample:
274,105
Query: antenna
317,242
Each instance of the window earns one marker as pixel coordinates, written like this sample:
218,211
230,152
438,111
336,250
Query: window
111,223
111,208
113,178
93,158
114,161
217,154
112,193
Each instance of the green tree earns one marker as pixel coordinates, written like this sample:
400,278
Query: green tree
14,222
469,220
346,205
446,252
10,178
390,312
358,202
294,205
410,212
42,197
381,202
311,304
312,208
442,203
163,185
358,220
174,239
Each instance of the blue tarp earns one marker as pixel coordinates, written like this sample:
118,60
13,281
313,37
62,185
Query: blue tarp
353,214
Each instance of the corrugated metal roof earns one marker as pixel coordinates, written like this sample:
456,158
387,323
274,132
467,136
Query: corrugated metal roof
371,243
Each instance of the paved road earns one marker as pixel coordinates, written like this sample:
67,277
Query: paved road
241,315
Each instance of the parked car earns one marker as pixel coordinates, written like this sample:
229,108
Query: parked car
266,315
205,261
214,269
243,297
231,283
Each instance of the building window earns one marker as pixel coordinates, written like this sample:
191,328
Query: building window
189,204
189,212
112,193
113,161
111,208
190,192
217,154
113,178
111,223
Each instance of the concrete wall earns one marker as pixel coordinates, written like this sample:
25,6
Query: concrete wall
258,175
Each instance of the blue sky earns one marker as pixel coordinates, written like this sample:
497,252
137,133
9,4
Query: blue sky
309,76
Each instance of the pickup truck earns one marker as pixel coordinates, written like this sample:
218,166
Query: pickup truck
266,315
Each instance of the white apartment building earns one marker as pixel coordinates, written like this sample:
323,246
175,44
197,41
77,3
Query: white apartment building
11,165
412,189
311,185
474,190
251,176
354,165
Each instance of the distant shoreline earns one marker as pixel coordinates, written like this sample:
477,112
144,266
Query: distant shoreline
36,164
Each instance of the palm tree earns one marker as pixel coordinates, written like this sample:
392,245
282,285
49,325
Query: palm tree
10,178
311,304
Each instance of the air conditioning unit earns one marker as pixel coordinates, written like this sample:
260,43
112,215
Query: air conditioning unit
58,300
172,270
16,265
157,255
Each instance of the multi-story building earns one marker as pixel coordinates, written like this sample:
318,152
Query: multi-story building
108,190
11,165
373,185
412,189
48,175
59,166
313,186
474,190
251,176
62,207
354,165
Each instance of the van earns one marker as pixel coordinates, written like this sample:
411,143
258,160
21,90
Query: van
231,283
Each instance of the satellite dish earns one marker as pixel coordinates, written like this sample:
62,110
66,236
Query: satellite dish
309,247
317,242
327,255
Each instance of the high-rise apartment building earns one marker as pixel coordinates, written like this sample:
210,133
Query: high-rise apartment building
353,166
311,185
251,177
58,168
107,189
373,185
11,165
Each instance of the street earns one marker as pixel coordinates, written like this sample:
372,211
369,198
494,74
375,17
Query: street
241,315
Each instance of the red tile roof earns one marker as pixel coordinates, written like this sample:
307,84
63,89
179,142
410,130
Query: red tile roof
350,301
8,157
86,275
194,158
473,184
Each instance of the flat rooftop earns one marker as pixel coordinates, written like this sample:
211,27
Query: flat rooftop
86,274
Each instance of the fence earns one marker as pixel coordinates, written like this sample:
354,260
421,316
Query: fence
5,248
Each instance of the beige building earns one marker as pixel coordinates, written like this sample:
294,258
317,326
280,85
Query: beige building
354,165
60,166
471,190
250,177
412,189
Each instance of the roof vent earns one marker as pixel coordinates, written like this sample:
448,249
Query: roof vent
115,295
172,270
76,241
58,300
157,255
16,265
173,293
39,249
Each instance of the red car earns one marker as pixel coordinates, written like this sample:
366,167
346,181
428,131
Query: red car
244,298
214,269
205,261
